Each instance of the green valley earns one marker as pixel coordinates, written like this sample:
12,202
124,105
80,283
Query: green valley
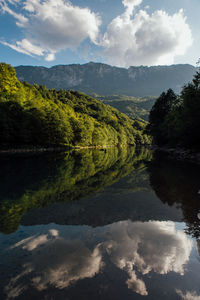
134,107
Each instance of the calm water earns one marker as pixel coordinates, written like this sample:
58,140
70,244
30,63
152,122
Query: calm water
93,224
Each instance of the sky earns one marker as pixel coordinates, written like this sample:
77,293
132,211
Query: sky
117,32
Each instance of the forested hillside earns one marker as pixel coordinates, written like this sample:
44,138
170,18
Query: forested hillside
175,119
32,115
134,107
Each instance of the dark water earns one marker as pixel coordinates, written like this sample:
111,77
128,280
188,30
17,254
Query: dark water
95,224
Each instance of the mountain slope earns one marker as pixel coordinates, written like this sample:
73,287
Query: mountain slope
32,115
103,79
133,107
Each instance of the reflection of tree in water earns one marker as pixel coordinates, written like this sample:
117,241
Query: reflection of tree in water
27,183
177,183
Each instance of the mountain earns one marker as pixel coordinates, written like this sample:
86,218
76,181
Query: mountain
103,79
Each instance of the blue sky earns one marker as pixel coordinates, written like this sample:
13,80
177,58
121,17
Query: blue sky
117,32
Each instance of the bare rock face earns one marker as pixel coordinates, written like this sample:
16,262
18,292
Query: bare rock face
103,79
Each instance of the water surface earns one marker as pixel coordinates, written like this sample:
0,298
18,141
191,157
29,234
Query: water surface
99,224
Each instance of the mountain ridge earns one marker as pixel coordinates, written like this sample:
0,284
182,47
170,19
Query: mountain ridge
103,79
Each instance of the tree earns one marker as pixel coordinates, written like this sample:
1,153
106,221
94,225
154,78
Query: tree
175,120
163,105
10,87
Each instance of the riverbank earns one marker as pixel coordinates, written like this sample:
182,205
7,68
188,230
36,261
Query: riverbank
24,150
31,150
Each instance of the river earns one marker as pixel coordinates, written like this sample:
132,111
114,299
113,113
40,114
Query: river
114,223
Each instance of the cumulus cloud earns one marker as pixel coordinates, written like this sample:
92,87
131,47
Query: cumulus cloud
141,38
132,38
51,26
130,5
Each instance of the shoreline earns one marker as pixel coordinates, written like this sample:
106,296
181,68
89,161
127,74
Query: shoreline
35,150
179,154
30,150
25,150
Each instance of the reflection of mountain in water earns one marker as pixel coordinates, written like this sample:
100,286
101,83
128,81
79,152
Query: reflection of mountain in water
131,197
177,183
43,188
142,252
28,183
52,258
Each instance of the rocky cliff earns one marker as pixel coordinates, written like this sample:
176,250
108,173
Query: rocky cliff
103,79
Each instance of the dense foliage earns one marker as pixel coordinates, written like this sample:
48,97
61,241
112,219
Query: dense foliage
35,115
175,120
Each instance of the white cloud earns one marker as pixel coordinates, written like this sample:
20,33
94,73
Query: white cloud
16,48
26,47
130,39
146,39
21,20
130,5
52,26
50,57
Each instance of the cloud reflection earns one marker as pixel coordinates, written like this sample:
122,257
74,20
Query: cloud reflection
134,247
56,261
148,246
188,295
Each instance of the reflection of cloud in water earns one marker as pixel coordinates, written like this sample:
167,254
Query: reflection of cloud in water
136,284
73,262
148,246
188,295
198,246
32,242
58,262
133,247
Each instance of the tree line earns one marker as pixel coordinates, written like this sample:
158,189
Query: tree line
39,181
32,115
174,120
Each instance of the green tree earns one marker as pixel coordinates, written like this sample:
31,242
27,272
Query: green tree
175,120
162,107
10,87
